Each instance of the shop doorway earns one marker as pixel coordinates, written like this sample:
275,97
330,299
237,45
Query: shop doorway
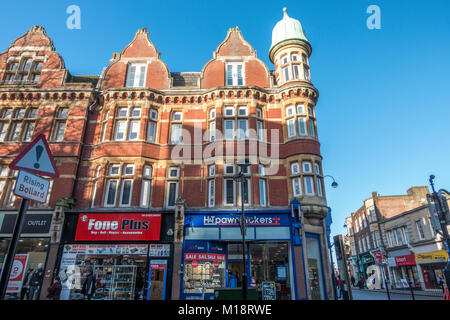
269,262
157,277
235,274
266,262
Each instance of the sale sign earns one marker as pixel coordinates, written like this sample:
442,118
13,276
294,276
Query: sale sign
204,257
118,227
17,273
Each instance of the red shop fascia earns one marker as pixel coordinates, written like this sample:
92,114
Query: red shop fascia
125,227
119,228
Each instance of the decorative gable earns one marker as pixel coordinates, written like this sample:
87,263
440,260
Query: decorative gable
32,60
235,49
142,52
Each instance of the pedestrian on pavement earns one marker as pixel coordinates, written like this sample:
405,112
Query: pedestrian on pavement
339,286
363,282
88,288
335,284
35,282
25,292
54,291
440,283
353,280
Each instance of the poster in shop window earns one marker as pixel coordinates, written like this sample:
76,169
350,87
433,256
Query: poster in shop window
269,291
17,273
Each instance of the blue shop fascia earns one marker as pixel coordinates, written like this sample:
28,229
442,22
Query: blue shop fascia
212,255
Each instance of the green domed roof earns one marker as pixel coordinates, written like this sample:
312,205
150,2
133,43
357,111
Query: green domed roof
287,29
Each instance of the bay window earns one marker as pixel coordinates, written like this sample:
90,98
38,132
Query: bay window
152,125
229,129
291,127
60,126
229,190
127,124
175,133
309,186
111,190
419,226
211,185
172,186
242,129
119,177
147,175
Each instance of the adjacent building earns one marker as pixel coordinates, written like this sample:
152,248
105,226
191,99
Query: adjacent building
147,157
401,227
39,95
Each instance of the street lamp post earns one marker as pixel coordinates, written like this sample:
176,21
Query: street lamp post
332,272
240,177
442,219
341,255
334,185
383,249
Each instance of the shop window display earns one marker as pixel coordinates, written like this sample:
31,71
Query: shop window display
34,251
433,275
119,271
270,262
315,274
202,277
204,269
266,261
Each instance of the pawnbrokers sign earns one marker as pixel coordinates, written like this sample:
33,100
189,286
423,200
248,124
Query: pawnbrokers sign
118,227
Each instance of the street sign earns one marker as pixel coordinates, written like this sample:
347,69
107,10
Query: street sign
31,186
269,291
378,257
36,158
434,216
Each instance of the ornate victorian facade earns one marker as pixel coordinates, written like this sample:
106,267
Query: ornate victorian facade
142,140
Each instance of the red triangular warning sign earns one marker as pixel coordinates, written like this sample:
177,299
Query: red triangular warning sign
36,158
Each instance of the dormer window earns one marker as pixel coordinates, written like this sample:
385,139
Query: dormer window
136,75
38,66
24,70
234,74
27,65
13,66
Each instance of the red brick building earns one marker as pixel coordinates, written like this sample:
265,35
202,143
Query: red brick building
160,150
39,95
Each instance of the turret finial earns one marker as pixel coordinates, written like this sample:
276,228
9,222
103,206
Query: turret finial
285,14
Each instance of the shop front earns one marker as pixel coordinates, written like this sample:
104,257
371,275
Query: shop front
31,253
213,253
366,260
432,266
405,272
129,254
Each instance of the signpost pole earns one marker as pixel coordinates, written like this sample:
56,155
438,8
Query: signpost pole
7,266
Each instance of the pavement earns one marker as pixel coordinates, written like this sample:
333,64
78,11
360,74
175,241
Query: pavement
366,294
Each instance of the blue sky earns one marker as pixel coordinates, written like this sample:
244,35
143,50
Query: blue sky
384,106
